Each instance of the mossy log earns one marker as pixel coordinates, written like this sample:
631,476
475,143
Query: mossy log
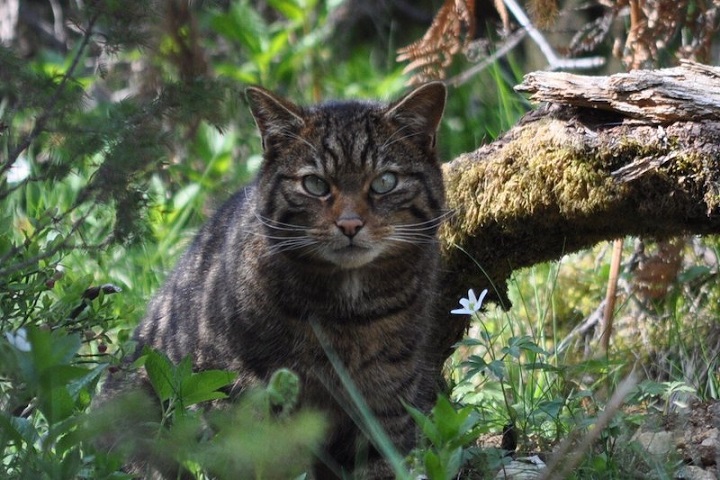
606,157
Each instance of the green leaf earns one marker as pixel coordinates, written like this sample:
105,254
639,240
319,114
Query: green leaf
204,386
475,361
693,273
56,404
244,25
649,387
185,196
433,466
182,371
497,367
470,342
453,463
517,344
289,8
447,419
512,350
50,349
77,385
18,430
552,408
71,464
545,367
60,376
426,425
443,465
161,373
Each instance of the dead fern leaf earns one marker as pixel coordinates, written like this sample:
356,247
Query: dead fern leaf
450,33
543,12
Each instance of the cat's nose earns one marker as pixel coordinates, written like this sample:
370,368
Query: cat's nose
349,226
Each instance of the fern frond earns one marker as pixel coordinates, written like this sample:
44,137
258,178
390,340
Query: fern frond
450,33
543,12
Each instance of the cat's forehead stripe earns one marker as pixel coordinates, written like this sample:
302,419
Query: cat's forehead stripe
352,139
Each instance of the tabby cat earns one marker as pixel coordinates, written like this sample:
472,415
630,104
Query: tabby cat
334,248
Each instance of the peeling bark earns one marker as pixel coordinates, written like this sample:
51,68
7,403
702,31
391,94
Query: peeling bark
630,154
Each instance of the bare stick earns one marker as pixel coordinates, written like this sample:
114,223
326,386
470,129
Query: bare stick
611,293
570,453
509,44
554,61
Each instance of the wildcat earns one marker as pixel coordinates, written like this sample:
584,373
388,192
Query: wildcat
334,249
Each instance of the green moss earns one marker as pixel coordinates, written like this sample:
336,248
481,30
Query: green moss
548,188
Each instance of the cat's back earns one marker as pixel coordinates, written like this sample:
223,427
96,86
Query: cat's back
177,316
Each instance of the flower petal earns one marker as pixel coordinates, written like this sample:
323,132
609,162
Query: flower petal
462,311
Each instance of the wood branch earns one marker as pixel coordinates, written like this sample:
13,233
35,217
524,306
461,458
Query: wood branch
632,154
691,91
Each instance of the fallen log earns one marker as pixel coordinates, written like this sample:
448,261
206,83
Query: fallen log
603,158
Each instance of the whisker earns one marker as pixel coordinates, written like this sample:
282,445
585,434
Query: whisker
411,235
427,224
408,228
289,134
275,237
274,224
290,244
412,240
390,140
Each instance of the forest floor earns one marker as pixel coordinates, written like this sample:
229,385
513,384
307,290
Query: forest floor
689,438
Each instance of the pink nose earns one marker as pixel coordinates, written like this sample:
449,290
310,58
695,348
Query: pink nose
349,226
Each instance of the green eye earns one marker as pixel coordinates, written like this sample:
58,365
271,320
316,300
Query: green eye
384,183
315,185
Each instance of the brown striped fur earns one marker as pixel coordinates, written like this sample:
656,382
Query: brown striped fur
317,244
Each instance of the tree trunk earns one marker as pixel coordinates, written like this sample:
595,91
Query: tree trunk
606,157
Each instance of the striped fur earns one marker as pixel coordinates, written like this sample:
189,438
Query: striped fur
317,244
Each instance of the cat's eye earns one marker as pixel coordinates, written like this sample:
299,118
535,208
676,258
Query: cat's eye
384,183
315,185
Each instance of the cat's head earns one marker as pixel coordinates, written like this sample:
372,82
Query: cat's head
346,183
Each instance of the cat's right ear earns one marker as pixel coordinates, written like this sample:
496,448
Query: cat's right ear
273,115
419,112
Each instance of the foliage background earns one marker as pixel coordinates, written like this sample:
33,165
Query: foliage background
123,125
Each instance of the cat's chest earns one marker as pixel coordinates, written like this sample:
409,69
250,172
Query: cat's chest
352,287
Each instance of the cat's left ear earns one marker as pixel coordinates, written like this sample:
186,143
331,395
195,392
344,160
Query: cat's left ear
274,115
419,112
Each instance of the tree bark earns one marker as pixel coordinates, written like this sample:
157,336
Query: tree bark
604,158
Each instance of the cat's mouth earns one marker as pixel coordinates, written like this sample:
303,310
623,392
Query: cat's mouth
351,255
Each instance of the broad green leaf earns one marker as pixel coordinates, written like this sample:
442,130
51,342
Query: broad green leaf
49,349
183,370
433,466
453,463
60,376
497,367
71,464
77,385
56,404
161,373
204,386
428,428
552,407
18,430
447,419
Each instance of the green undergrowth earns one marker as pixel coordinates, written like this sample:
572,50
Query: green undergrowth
111,156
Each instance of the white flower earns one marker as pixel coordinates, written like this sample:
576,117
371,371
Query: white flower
471,304
19,340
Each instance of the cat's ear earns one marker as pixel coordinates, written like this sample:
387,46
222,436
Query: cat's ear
273,115
419,112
